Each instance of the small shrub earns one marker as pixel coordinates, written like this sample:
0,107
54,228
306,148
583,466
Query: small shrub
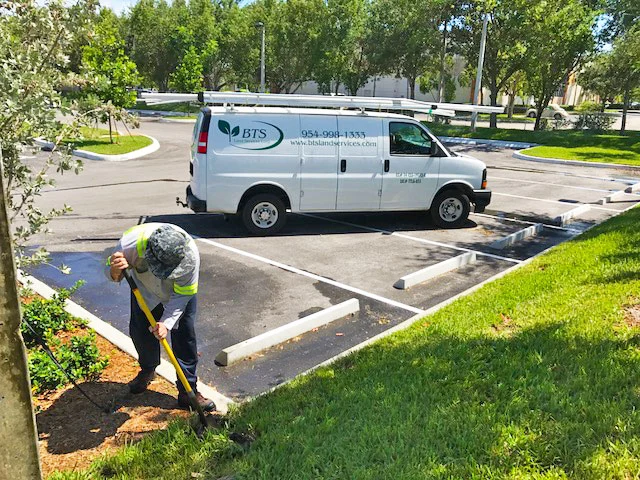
79,355
80,358
48,317
599,122
550,124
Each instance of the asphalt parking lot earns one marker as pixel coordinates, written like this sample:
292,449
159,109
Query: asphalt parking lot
251,285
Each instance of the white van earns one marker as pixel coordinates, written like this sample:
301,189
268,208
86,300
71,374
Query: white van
260,162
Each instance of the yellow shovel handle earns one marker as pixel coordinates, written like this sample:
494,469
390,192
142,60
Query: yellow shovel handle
152,321
165,344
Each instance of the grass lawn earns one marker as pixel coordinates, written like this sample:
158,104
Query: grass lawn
503,117
97,141
181,117
535,376
563,144
184,107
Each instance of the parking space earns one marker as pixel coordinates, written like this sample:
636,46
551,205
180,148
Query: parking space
250,285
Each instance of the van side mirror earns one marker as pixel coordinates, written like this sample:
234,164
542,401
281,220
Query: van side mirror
435,150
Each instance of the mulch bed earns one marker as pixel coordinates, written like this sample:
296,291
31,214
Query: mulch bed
73,432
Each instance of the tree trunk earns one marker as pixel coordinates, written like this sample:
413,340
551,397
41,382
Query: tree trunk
110,134
625,107
19,455
412,87
512,101
539,110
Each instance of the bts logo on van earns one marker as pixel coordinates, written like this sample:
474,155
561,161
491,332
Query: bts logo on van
252,135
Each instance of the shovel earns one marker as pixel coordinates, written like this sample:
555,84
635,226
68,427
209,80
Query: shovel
183,380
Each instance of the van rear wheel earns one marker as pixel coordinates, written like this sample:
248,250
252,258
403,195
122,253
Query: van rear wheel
450,209
264,214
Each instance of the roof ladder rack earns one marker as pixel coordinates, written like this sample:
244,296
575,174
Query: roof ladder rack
319,101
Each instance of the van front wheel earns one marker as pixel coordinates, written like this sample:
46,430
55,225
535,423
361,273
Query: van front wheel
264,214
450,209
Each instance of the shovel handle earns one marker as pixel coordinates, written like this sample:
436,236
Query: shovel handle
167,348
152,321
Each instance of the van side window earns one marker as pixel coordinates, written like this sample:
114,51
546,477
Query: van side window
196,131
408,139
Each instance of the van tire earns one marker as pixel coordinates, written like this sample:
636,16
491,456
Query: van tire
450,209
264,214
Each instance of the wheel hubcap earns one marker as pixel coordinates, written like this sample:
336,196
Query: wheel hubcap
264,215
450,209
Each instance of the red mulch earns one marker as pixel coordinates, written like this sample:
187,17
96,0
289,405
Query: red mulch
73,432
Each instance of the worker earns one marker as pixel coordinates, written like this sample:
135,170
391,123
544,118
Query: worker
164,262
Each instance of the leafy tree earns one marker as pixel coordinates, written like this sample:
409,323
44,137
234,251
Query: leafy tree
599,78
292,32
112,72
237,56
560,34
625,58
344,46
405,33
515,87
33,40
623,15
188,75
431,80
206,34
506,44
147,41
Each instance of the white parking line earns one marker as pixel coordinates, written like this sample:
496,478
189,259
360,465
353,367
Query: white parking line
552,184
413,239
557,202
291,269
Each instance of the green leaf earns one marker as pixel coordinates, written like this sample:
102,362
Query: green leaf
224,126
235,131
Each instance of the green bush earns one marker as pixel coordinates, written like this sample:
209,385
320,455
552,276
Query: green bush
48,317
80,358
588,107
598,122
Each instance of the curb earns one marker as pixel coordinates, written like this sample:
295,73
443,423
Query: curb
120,340
155,145
435,270
286,332
480,141
523,156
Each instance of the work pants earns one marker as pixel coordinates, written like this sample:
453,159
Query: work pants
183,340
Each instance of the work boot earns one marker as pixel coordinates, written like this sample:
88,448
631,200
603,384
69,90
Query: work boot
142,381
206,404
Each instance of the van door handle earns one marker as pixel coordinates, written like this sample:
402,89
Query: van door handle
343,166
386,165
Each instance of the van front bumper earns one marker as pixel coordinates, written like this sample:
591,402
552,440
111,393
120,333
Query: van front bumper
481,198
194,202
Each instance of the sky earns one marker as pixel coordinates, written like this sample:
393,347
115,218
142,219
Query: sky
118,6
